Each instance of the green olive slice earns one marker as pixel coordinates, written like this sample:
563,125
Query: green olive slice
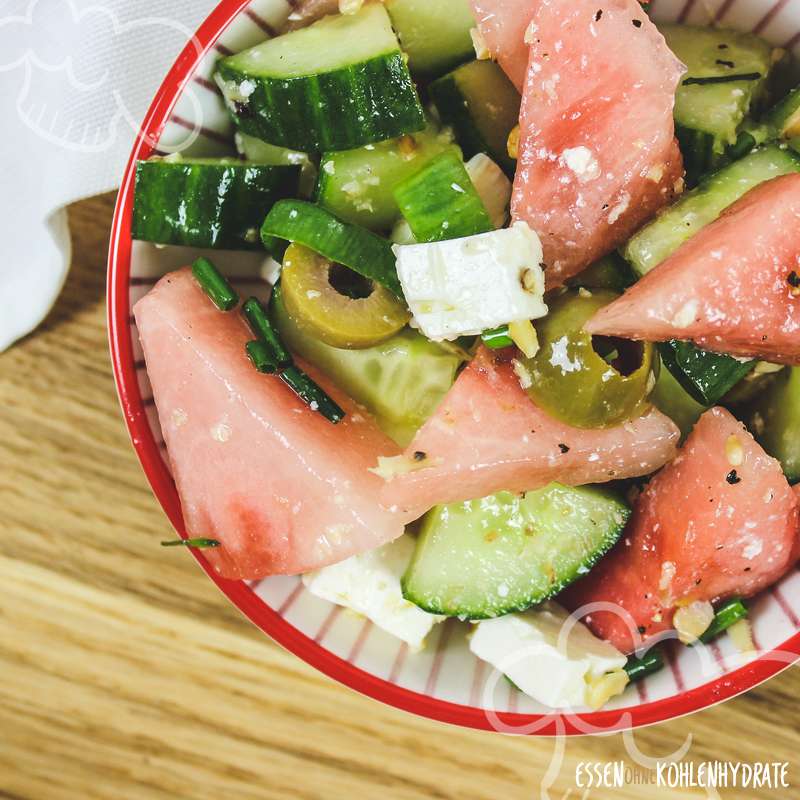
336,305
583,380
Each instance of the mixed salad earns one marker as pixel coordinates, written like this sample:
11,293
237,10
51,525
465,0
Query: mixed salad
534,347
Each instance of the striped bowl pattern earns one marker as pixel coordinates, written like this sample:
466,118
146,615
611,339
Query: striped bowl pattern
444,681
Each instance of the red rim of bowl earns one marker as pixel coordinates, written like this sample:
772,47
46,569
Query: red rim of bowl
119,311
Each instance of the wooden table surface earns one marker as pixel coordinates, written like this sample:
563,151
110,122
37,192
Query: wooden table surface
125,674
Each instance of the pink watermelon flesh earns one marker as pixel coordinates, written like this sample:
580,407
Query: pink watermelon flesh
598,155
729,287
502,24
279,486
487,435
696,534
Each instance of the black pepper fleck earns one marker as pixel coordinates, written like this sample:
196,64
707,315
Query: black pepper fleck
793,279
563,448
722,46
420,456
598,15
733,477
642,629
637,23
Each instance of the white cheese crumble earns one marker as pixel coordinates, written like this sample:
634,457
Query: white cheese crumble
581,161
462,287
559,670
686,314
369,584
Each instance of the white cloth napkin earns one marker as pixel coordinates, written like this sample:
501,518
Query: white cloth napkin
76,78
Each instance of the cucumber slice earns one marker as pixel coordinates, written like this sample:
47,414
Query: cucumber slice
482,106
261,152
672,399
400,381
440,202
774,418
504,553
710,100
217,203
434,35
706,376
338,84
318,230
784,118
696,209
358,185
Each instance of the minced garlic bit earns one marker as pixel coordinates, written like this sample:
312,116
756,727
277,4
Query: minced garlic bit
407,147
513,142
734,451
602,689
692,621
350,6
521,371
766,368
479,43
392,466
530,33
742,636
523,334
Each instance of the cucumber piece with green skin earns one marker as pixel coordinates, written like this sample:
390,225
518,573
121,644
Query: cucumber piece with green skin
485,558
400,381
774,418
338,84
217,203
701,206
482,106
317,229
440,202
710,100
254,149
434,35
358,185
706,376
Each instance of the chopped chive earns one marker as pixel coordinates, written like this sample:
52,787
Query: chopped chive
497,339
745,142
215,285
745,76
639,668
259,322
260,356
305,388
726,615
200,544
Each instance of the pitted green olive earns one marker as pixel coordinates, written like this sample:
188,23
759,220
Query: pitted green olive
587,381
336,305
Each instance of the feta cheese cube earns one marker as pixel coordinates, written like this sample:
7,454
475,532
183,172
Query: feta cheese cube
559,674
462,287
369,584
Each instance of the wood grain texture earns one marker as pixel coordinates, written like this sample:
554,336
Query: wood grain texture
125,674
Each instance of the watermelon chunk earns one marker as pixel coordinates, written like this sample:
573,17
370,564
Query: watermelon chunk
488,436
597,153
502,24
732,287
703,529
280,487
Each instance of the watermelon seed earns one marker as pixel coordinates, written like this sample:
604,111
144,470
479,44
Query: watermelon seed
637,23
